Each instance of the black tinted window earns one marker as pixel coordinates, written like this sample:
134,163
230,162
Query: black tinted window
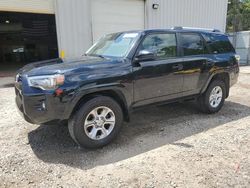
163,45
191,44
218,43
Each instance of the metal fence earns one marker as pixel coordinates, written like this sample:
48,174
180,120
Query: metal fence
241,42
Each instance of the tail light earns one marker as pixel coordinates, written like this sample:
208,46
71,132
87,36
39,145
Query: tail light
237,57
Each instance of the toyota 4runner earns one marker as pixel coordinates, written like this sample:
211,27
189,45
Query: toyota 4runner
124,71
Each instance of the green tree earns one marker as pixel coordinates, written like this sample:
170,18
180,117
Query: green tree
246,15
238,15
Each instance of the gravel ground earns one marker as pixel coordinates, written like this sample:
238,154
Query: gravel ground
167,146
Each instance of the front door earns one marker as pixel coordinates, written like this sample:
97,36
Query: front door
159,79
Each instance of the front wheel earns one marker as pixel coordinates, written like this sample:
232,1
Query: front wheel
96,123
214,97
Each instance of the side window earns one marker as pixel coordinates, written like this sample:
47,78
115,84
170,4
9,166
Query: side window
192,44
163,45
218,43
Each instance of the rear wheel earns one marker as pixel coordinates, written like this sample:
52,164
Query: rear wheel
96,123
214,97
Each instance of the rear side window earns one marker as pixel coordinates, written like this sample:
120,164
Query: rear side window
191,44
162,44
218,43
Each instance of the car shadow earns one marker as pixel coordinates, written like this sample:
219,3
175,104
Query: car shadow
149,129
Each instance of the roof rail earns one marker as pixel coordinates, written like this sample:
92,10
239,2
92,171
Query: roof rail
195,28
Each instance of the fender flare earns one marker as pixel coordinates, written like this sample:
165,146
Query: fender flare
120,96
212,76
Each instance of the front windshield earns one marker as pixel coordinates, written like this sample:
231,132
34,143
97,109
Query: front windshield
113,45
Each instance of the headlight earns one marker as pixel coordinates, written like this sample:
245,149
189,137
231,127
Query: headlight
46,82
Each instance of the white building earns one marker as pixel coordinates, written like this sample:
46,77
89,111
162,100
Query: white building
79,23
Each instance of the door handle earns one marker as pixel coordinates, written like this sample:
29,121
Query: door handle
210,63
177,67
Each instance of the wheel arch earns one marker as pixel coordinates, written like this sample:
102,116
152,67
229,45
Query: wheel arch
114,94
224,76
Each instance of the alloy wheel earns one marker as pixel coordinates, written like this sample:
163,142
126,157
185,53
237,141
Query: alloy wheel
215,97
99,123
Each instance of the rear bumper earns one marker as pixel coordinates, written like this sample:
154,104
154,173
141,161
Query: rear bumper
234,75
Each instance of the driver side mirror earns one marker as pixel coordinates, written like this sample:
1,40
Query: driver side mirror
145,55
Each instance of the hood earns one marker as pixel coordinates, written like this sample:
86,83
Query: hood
38,64
55,66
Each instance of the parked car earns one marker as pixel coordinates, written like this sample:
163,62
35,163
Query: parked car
124,71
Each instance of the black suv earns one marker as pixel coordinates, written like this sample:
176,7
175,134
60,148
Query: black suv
124,71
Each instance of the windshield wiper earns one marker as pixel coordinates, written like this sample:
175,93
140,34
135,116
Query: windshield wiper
95,55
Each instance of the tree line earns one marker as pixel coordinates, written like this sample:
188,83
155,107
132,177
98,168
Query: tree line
238,15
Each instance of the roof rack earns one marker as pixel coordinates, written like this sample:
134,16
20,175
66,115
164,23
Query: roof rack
195,28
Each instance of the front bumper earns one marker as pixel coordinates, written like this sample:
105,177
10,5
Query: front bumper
39,108
21,110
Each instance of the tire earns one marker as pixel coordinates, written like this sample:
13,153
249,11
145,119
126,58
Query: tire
204,101
97,134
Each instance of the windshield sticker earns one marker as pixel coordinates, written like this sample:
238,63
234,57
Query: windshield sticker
130,35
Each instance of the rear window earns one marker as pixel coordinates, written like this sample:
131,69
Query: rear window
191,44
218,43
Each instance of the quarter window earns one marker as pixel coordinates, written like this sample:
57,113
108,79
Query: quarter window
191,44
218,43
163,45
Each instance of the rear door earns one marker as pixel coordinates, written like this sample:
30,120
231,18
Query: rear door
194,62
159,79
